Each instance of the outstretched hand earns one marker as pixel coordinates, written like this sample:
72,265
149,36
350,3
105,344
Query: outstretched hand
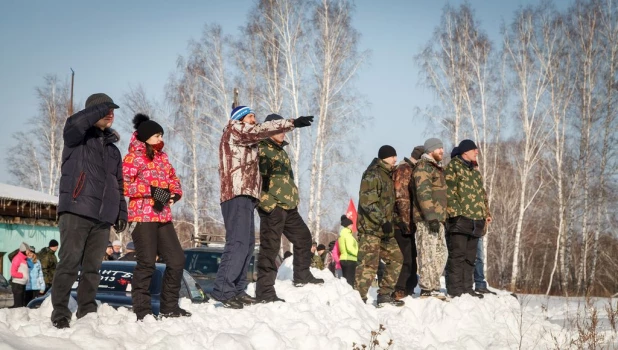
301,122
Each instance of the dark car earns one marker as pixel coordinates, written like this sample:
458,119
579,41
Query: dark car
6,293
203,263
115,286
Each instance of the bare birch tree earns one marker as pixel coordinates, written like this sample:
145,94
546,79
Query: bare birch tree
335,62
522,41
34,162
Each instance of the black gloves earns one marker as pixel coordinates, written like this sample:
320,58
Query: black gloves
403,227
161,197
301,122
387,227
434,226
121,225
175,197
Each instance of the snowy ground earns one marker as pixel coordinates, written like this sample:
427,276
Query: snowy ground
331,316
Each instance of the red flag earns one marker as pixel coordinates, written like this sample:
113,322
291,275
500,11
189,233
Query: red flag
351,214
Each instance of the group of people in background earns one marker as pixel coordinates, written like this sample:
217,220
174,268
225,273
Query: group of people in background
32,273
420,210
114,251
418,196
415,218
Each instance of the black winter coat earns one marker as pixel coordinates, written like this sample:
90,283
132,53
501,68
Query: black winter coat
91,183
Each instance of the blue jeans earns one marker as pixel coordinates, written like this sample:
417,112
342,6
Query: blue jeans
479,275
238,215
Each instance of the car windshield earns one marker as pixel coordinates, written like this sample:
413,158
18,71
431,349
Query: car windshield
202,264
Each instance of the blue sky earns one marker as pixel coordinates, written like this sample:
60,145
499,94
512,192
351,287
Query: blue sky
113,45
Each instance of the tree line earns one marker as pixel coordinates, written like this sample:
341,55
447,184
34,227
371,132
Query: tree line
541,102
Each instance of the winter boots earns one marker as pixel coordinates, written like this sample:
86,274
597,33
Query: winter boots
426,293
271,299
178,312
384,299
484,290
310,280
246,299
62,323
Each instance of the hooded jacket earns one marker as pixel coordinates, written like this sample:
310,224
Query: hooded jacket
19,269
430,191
139,173
49,261
376,203
238,156
36,281
348,246
91,173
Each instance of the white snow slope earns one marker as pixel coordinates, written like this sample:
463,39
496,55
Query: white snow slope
331,316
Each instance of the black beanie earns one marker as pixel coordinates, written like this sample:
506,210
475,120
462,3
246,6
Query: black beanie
386,151
272,117
53,243
145,127
465,146
418,152
321,247
345,221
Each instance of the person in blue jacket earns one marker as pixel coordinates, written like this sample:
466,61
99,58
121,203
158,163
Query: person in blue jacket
36,283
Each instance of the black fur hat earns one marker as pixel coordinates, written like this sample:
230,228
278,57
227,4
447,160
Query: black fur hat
145,127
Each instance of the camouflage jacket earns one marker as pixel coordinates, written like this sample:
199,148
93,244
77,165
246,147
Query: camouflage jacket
317,262
430,191
238,156
48,260
466,195
404,190
376,199
278,187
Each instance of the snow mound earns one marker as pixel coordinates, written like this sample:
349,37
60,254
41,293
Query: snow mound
331,316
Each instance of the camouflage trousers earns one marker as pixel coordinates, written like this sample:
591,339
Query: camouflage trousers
370,250
432,256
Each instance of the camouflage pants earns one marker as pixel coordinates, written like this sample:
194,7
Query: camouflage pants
370,250
432,256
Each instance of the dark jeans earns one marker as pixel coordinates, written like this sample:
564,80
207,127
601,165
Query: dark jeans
31,294
479,273
19,294
408,276
348,269
152,239
460,265
272,225
238,216
83,243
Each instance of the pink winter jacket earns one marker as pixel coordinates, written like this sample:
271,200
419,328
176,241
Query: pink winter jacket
336,256
19,268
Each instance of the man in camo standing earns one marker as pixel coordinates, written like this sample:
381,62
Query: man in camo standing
278,210
429,216
376,218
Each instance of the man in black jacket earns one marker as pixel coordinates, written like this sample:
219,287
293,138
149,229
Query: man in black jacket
91,201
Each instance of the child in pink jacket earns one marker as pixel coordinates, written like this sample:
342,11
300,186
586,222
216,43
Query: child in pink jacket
19,275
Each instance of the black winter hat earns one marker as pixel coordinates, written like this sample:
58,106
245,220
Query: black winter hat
96,99
465,146
145,127
455,152
53,243
418,152
386,151
345,221
321,247
272,117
